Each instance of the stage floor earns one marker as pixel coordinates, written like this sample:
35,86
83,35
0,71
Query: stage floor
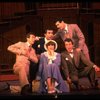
92,93
7,92
86,94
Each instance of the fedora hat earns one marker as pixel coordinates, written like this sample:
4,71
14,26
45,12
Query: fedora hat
50,41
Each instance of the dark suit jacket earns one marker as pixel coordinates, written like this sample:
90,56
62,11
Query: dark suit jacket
39,46
67,63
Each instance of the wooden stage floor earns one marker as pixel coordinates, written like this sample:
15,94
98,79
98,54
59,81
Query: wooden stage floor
13,80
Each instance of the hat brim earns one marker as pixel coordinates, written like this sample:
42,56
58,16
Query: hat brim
51,41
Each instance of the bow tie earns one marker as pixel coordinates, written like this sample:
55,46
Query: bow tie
71,52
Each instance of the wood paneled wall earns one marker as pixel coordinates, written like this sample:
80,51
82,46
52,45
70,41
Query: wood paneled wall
65,5
49,16
8,38
9,8
95,5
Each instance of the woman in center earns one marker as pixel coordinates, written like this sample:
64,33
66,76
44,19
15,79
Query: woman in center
49,74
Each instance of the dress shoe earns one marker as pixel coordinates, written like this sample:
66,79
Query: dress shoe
26,90
8,86
82,87
95,85
51,92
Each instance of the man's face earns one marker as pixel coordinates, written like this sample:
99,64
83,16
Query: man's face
60,25
31,39
49,34
69,46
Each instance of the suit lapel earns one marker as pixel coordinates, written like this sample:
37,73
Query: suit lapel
42,42
76,57
69,30
68,57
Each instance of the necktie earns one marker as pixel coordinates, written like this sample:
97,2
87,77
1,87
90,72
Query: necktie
67,35
71,54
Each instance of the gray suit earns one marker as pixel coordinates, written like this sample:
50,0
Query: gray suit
74,69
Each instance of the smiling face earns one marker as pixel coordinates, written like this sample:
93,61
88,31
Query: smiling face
31,39
69,46
49,34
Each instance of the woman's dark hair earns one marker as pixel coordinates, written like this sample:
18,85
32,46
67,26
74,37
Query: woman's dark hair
50,43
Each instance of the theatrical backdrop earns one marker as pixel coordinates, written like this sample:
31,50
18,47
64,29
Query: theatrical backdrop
18,18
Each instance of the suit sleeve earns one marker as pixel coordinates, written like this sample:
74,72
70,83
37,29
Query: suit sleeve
85,60
15,48
56,35
80,36
33,57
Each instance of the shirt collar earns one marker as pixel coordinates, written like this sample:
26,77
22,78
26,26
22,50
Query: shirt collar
66,28
45,40
28,44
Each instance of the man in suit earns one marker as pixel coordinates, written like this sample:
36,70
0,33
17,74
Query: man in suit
24,54
39,45
71,59
72,31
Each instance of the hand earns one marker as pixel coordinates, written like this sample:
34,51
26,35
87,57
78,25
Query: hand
69,80
97,68
37,38
38,55
78,49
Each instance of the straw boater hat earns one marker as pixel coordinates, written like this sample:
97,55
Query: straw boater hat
49,42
